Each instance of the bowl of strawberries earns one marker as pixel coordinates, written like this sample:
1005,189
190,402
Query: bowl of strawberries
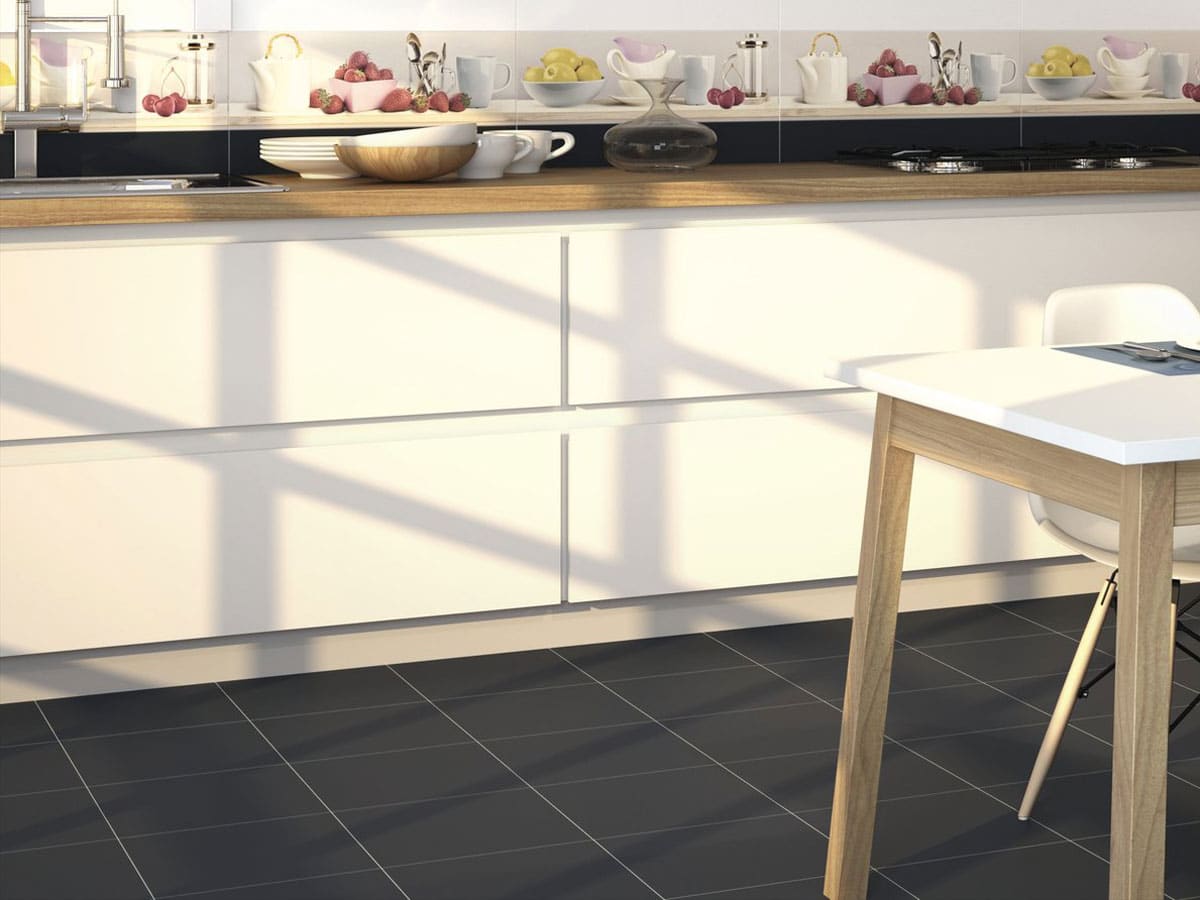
890,78
360,83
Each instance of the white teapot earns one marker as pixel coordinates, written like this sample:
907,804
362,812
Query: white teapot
282,83
824,76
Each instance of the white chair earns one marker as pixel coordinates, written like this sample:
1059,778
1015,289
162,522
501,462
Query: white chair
1091,315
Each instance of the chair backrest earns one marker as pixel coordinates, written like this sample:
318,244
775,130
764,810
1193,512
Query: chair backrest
1119,312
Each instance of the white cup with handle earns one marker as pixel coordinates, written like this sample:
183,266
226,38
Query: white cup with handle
633,71
543,150
495,152
987,73
476,77
1175,73
1137,65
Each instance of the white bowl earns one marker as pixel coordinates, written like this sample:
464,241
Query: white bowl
564,93
421,136
313,168
1128,82
1065,88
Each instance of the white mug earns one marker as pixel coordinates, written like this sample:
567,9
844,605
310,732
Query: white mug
1175,72
698,72
1138,65
494,153
477,78
987,73
543,143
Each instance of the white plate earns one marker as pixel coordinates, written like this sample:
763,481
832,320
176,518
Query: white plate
1129,95
643,100
300,141
313,168
300,154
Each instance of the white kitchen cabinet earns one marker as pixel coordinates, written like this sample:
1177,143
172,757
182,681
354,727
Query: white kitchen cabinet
102,553
728,310
132,338
701,505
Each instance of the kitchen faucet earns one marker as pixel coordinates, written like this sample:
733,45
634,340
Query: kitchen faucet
25,123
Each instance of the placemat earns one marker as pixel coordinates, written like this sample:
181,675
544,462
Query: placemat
1107,353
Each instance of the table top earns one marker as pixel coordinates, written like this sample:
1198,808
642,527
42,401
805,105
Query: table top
1112,412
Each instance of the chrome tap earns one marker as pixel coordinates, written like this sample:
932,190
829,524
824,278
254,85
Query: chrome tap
25,123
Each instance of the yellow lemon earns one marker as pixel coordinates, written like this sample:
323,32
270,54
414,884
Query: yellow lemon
560,72
1081,66
6,75
585,61
561,55
1058,68
588,73
1036,70
1058,51
535,73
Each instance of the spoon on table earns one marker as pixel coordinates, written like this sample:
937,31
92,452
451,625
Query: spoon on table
1141,351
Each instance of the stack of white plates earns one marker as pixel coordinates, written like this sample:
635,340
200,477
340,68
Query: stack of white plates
310,157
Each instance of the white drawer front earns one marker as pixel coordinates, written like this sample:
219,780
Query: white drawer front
135,339
129,551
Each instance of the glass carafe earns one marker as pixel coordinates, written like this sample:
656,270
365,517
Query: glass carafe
659,139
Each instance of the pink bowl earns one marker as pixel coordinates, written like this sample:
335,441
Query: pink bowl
362,96
891,90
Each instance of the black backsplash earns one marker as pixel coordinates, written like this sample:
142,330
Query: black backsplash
236,152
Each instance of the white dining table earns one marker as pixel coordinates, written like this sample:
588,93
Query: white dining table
1111,439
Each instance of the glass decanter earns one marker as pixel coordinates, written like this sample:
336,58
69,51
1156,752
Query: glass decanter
660,139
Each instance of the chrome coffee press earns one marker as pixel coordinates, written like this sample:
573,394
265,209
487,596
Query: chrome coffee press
748,65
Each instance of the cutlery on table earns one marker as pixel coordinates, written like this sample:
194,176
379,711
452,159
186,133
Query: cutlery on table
1154,352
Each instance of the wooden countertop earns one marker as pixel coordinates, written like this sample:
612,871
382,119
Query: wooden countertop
571,190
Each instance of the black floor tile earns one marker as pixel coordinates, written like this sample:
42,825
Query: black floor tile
781,643
493,674
1007,755
43,820
1042,691
319,692
701,693
911,671
535,712
459,826
1188,770
235,855
937,827
579,871
1055,872
933,627
1068,613
656,656
1038,654
1184,742
1182,873
596,753
35,767
21,723
1078,806
83,872
636,803
762,732
199,801
878,888
183,751
407,775
370,884
723,857
970,707
334,734
805,781
98,714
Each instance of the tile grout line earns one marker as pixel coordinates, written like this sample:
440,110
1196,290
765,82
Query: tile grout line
754,788
522,779
99,808
320,799
258,884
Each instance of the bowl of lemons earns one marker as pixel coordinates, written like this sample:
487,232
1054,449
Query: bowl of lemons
8,87
563,79
1062,74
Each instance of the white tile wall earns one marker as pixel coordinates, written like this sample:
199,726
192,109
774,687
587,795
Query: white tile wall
140,15
371,15
1115,15
638,15
910,15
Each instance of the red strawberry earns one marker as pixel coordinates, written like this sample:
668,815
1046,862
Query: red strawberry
939,97
371,71
714,96
150,99
459,102
885,71
887,57
420,103
340,72
973,96
910,70
439,101
358,60
726,99
331,104
739,96
399,100
921,94
165,107
957,95
1196,94
314,99
180,103
355,76
1189,90
386,75
873,69
852,91
898,66
864,96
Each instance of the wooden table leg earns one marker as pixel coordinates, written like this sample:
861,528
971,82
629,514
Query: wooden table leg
1145,643
869,671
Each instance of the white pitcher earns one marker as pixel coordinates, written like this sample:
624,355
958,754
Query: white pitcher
823,76
282,83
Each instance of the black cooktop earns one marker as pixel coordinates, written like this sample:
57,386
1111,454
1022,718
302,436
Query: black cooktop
957,161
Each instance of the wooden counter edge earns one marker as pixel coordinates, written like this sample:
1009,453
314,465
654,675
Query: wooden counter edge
579,190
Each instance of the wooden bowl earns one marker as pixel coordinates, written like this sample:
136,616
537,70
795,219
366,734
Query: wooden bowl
405,163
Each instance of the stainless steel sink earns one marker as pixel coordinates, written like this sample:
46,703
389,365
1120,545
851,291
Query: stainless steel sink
132,186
